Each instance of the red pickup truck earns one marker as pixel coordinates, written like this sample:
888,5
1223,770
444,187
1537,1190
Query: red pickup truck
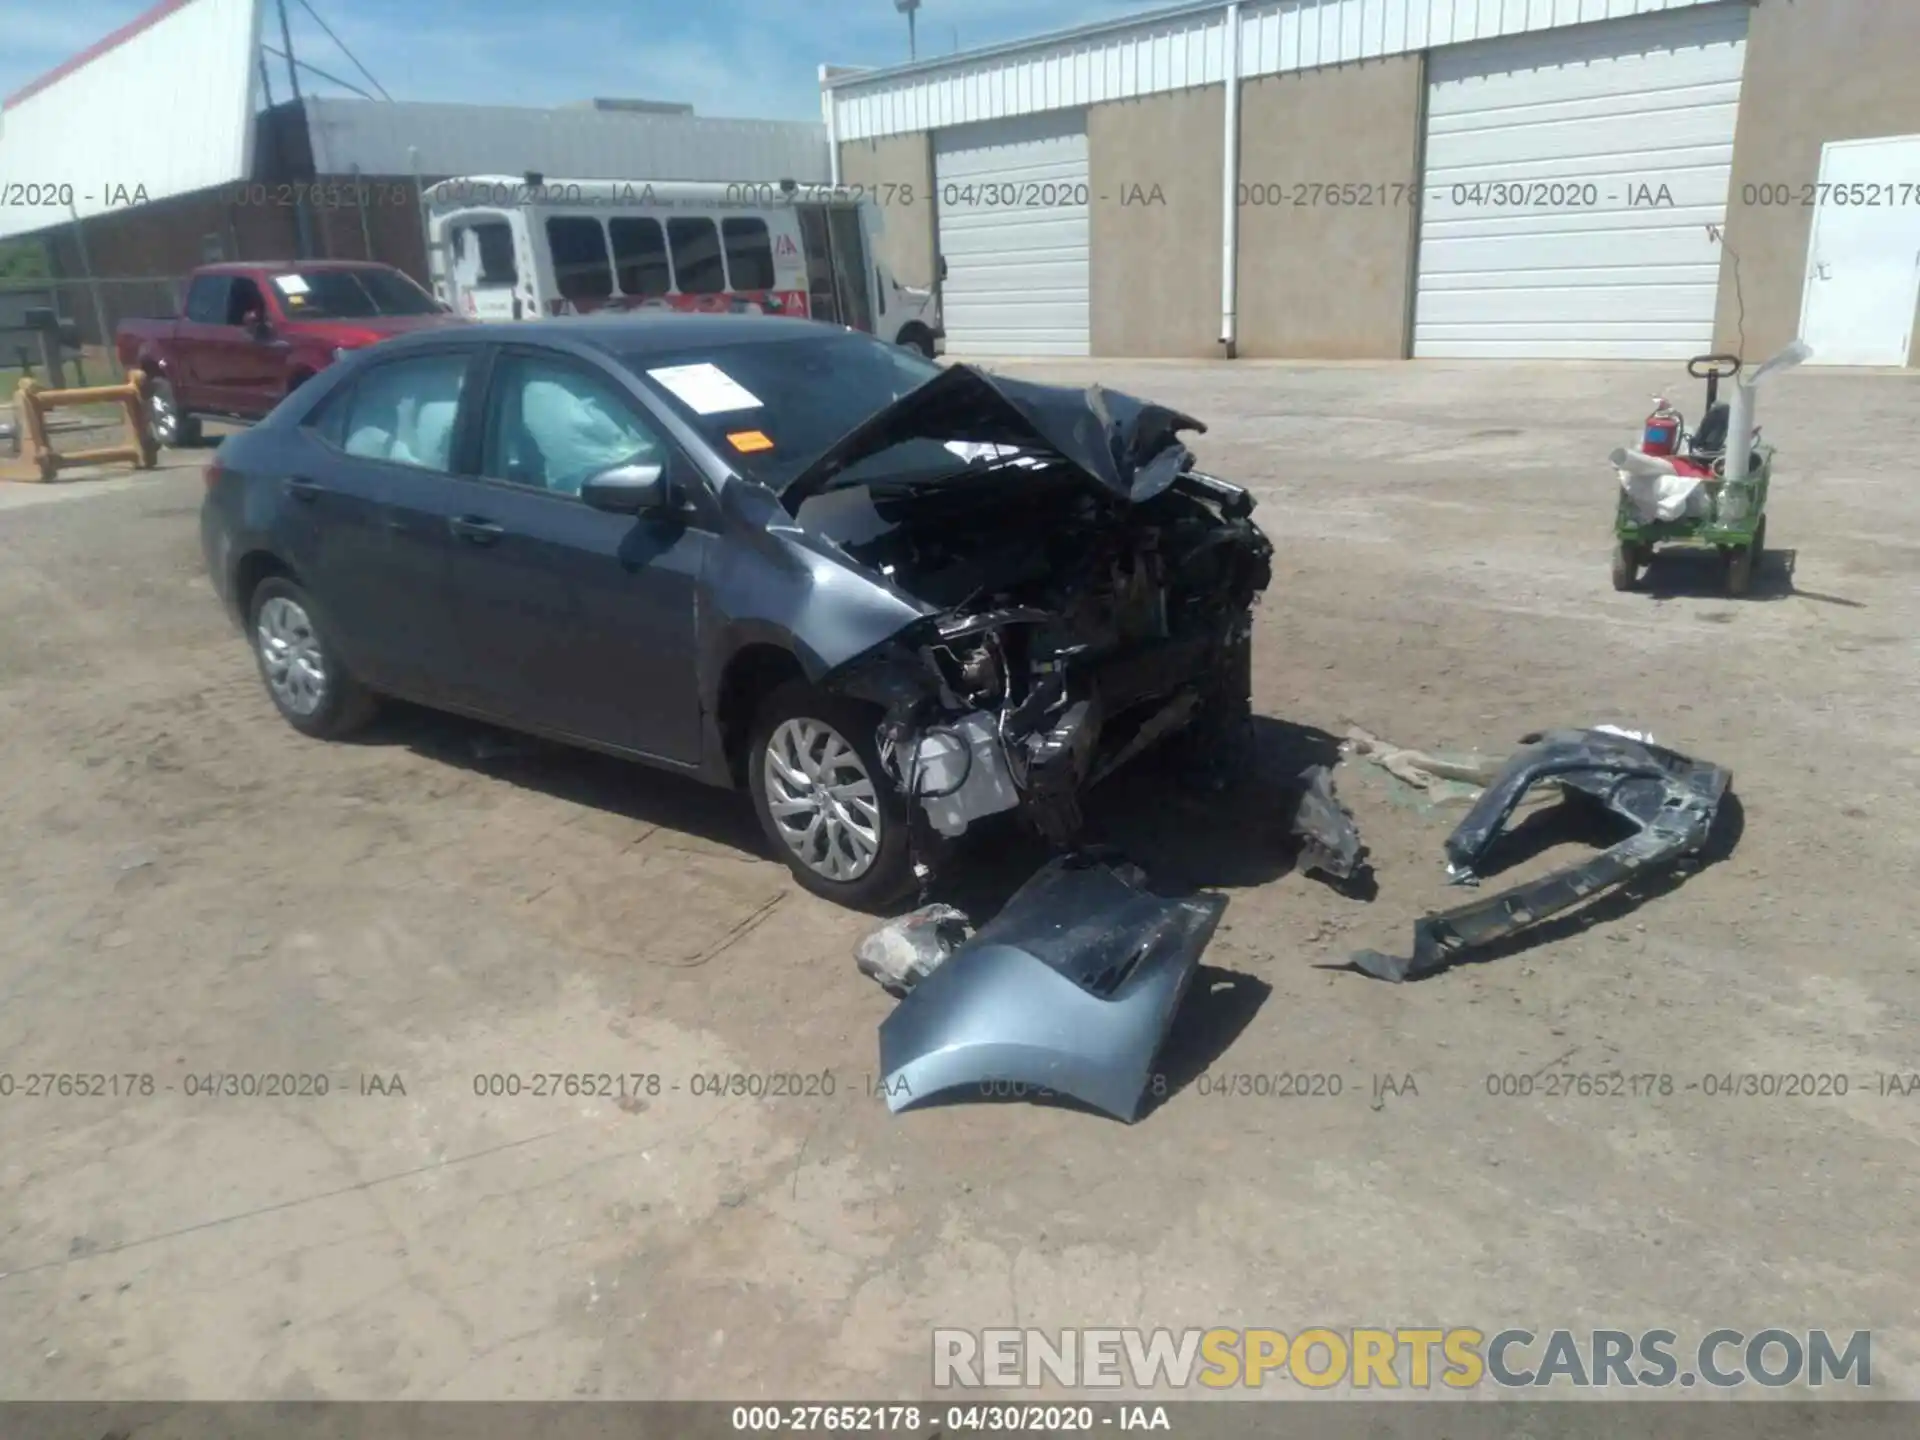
250,332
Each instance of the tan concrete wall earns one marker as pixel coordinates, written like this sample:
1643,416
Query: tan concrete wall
897,171
1153,182
1320,280
1817,70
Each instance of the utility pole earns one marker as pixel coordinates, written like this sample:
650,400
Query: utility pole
906,8
302,228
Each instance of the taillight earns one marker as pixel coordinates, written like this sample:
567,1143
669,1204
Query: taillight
211,473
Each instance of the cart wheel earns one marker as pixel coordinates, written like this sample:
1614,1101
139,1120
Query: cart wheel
1743,562
1626,564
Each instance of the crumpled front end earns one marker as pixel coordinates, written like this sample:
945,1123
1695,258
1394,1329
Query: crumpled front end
1075,634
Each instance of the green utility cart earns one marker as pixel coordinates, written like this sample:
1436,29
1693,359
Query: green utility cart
1734,517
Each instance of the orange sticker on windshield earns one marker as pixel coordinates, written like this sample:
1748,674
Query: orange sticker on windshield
748,441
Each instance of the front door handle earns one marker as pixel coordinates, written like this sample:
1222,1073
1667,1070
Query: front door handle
475,529
301,488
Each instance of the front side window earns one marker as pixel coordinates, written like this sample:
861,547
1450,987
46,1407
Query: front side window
696,255
400,411
580,266
244,302
552,424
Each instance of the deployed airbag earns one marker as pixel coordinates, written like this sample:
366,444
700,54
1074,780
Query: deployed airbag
1071,989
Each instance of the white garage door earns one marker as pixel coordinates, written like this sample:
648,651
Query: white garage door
1012,207
1570,181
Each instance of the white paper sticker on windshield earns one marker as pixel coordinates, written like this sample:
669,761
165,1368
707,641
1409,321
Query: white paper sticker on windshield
291,284
705,388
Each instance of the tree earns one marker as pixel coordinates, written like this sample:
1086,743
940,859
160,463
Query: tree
23,260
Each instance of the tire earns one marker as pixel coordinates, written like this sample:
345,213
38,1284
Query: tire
308,685
1626,565
799,723
1743,562
919,339
1740,570
172,428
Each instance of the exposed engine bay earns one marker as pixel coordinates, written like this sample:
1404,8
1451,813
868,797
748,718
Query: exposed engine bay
1075,629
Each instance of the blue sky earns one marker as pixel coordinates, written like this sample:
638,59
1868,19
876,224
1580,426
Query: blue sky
754,58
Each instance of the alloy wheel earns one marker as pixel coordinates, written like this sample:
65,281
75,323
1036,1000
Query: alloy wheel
822,799
166,420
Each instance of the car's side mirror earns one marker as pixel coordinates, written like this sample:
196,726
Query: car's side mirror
254,321
629,489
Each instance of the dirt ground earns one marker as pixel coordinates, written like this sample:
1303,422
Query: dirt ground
193,890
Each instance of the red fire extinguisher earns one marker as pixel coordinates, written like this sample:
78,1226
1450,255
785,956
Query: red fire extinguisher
1662,433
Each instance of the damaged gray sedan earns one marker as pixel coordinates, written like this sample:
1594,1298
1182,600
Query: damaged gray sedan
890,600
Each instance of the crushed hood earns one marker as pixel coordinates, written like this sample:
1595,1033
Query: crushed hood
1128,447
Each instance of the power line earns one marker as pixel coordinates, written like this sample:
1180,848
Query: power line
316,70
344,51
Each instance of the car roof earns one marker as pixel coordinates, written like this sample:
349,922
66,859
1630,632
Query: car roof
630,335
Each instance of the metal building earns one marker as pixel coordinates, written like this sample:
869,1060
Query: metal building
153,152
1430,178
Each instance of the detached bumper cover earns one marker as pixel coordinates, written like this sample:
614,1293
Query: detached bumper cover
1672,798
1070,989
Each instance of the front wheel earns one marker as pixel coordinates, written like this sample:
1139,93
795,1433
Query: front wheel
918,339
824,801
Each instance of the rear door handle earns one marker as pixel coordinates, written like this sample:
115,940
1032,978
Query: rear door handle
301,488
475,529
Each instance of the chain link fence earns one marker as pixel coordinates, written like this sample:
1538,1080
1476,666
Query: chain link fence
90,309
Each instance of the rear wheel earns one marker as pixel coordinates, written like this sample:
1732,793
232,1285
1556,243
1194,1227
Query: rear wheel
1743,562
823,799
171,427
1627,560
308,685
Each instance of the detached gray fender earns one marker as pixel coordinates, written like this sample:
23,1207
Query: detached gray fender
1070,989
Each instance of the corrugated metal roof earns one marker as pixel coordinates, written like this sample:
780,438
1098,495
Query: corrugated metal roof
1182,47
585,144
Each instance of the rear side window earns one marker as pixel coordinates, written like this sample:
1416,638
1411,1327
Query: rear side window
580,265
749,253
401,411
696,255
207,300
640,256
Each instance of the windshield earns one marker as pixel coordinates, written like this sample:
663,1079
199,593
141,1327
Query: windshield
771,409
351,294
